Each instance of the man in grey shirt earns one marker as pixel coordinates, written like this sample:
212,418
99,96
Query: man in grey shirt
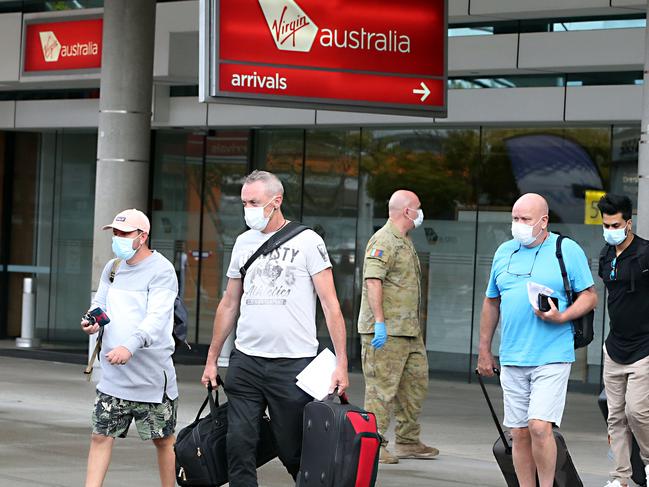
138,381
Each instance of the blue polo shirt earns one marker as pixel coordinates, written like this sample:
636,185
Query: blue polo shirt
526,340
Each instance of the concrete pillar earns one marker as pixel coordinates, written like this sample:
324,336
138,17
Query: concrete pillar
642,220
123,145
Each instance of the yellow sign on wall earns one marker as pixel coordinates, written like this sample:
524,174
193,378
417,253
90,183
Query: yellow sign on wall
592,215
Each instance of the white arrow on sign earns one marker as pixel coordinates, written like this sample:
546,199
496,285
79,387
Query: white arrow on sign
424,92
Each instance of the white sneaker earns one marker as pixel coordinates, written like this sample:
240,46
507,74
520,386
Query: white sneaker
615,483
646,471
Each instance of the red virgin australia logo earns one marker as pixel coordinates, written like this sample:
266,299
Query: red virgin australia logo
290,27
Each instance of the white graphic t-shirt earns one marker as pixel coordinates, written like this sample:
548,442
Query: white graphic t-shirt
277,314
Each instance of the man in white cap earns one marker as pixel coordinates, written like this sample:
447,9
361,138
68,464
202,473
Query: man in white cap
138,381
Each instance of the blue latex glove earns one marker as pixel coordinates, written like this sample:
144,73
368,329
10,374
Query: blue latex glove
380,335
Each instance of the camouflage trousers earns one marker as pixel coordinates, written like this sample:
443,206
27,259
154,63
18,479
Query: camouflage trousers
396,380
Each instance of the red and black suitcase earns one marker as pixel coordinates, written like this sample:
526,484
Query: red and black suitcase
340,445
565,474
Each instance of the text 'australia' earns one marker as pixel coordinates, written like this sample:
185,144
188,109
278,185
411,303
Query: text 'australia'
390,41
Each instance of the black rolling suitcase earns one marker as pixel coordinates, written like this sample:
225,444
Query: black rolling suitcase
638,475
566,474
340,445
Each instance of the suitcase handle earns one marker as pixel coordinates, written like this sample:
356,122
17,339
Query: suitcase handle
343,397
508,449
213,399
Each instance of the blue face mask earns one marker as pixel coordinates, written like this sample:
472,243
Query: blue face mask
123,247
615,236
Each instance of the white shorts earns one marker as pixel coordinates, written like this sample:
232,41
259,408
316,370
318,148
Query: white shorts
534,393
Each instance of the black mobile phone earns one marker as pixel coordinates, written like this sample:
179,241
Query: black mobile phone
544,304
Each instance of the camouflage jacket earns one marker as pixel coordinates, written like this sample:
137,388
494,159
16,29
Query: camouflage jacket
392,258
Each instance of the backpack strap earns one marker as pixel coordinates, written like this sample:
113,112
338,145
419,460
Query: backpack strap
286,233
564,274
113,269
97,349
602,258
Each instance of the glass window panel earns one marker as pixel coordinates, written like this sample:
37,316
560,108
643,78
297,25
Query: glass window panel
23,224
227,163
560,164
623,171
331,209
3,165
176,209
471,31
599,25
72,232
282,153
441,167
4,222
521,81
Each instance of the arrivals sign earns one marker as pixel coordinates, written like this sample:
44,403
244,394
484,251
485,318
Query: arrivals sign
362,55
62,44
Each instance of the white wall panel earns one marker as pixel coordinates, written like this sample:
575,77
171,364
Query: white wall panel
473,54
633,4
57,113
183,57
172,17
330,117
535,8
458,10
510,105
10,29
7,112
226,115
603,103
185,112
601,50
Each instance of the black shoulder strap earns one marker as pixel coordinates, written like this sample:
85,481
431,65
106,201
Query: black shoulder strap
564,274
290,230
602,259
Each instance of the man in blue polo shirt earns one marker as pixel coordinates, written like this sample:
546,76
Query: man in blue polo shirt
536,348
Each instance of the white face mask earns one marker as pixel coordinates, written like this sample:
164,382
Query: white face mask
615,236
255,218
420,217
523,233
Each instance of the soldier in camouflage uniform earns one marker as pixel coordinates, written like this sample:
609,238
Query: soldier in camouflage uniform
394,359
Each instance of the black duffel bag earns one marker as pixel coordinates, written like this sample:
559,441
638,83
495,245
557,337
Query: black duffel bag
201,451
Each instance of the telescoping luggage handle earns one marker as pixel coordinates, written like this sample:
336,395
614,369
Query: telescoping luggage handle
508,449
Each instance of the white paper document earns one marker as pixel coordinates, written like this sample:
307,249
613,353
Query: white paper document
315,379
533,291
